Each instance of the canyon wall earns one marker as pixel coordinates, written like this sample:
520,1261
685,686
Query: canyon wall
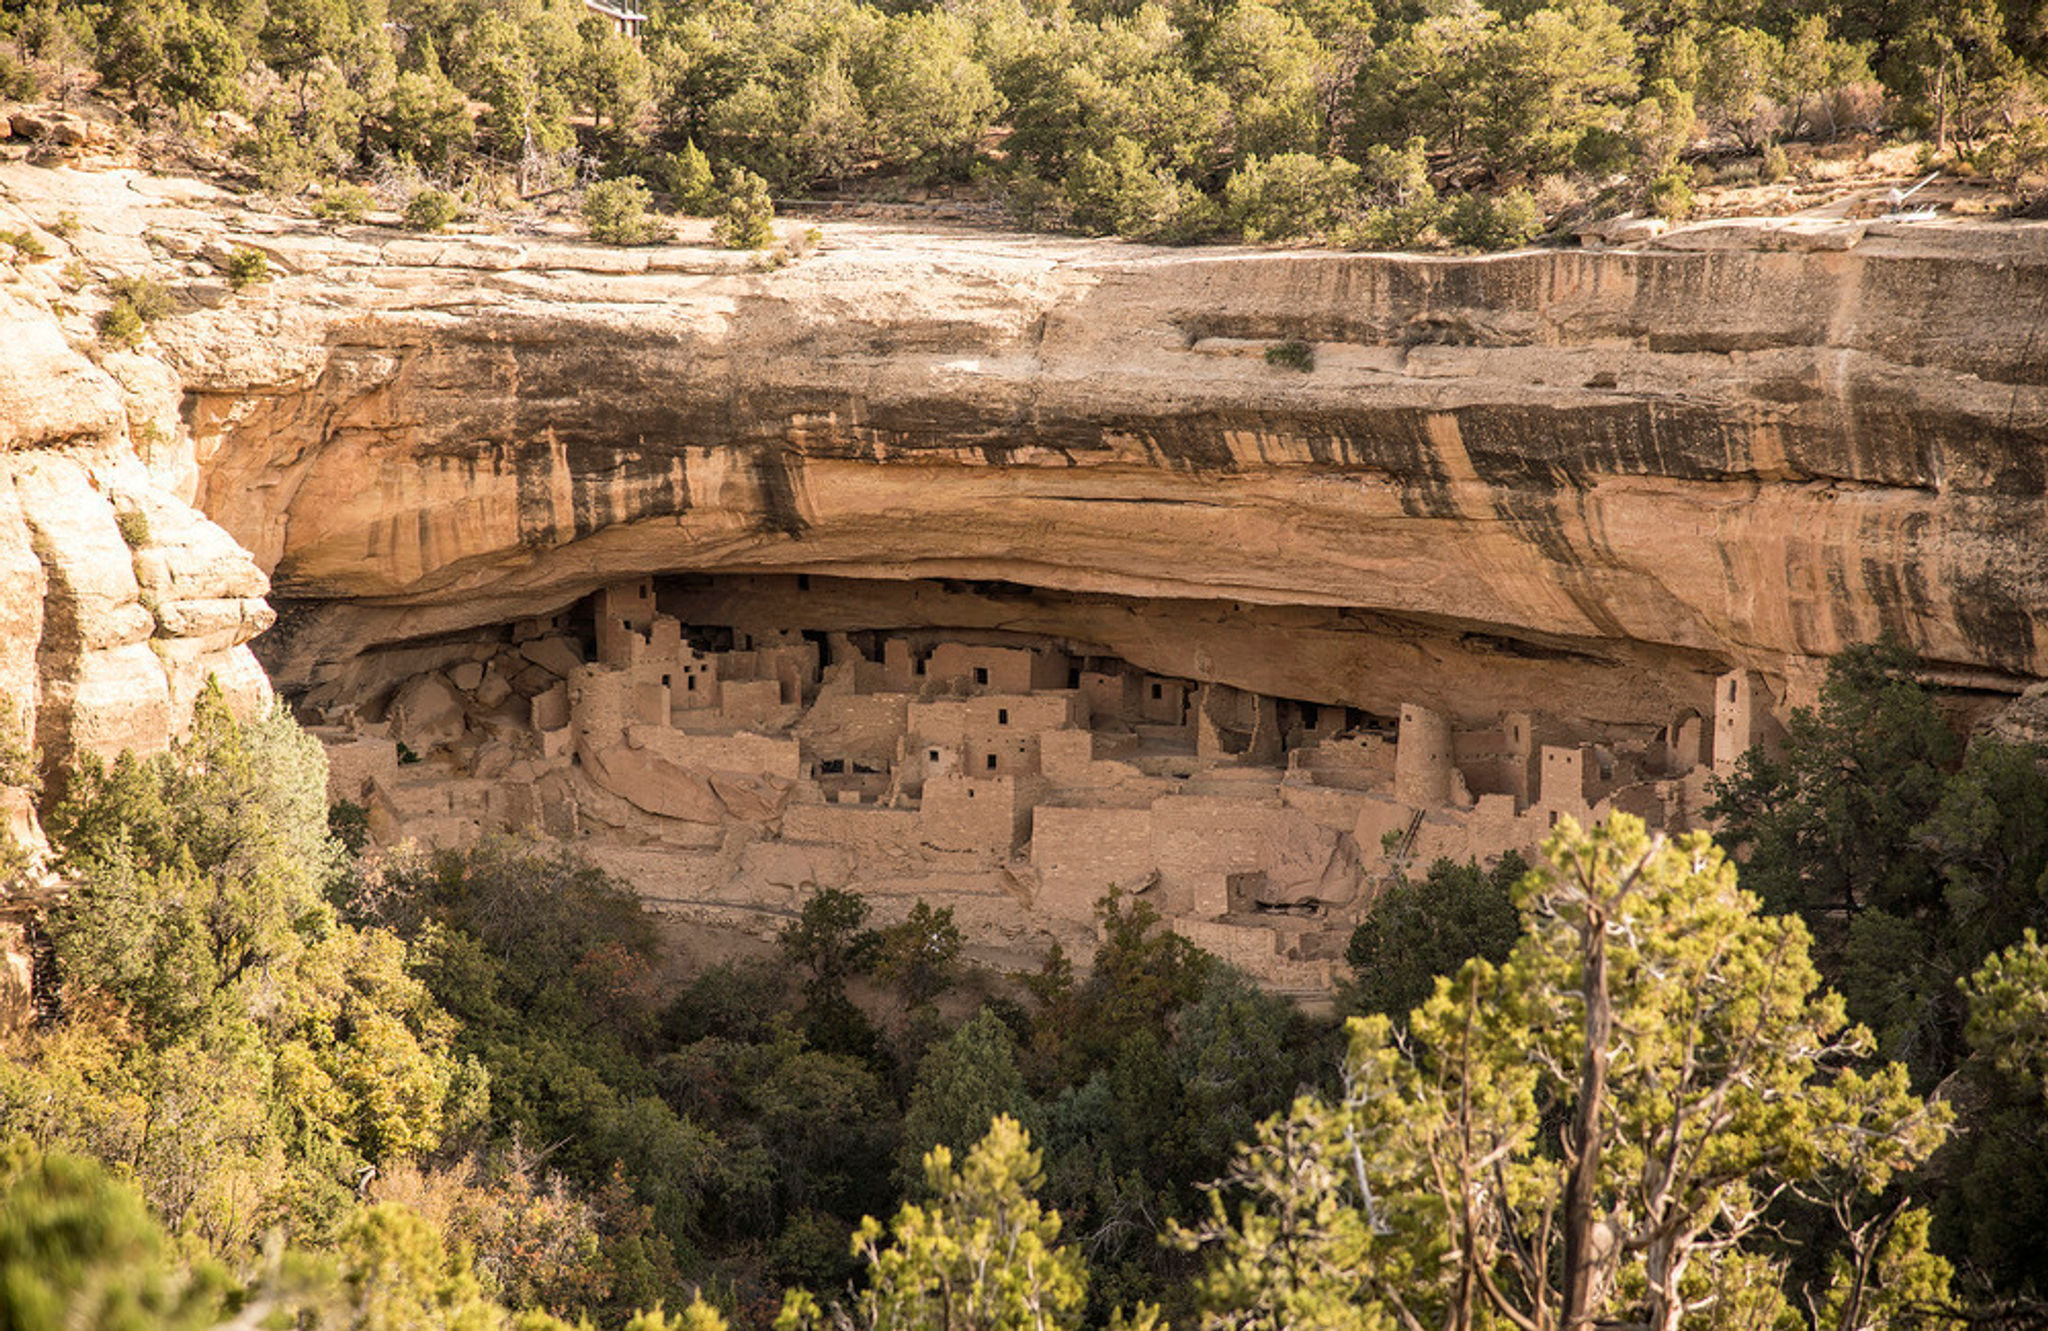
1586,480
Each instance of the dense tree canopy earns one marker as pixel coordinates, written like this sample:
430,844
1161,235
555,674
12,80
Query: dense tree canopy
1164,119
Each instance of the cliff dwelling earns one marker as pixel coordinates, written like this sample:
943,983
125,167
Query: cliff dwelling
731,743
1000,576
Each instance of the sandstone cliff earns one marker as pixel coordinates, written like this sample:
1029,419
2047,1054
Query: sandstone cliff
117,596
1577,479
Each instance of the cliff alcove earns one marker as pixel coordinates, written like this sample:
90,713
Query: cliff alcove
1583,493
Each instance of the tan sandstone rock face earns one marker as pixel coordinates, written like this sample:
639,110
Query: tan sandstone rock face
117,597
1582,480
1638,461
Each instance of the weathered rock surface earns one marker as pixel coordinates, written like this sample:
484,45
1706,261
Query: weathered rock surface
1588,478
117,597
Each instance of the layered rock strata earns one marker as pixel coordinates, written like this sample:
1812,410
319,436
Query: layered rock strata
1581,484
1664,462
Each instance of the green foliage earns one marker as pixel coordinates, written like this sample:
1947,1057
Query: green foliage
1292,355
349,204
397,1273
963,1083
1123,191
1288,197
149,299
18,81
78,1248
264,1054
432,210
920,956
984,1255
686,175
1670,195
1649,1023
1776,166
616,212
1493,223
121,325
203,61
745,213
930,101
1660,128
425,120
18,757
1418,931
830,941
133,525
1518,94
24,244
246,267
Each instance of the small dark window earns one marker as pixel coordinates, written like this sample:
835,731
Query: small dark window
689,683
970,792
1158,692
1002,716
645,591
991,762
1074,677
1553,818
920,667
1731,690
981,674
935,755
665,682
803,582
831,767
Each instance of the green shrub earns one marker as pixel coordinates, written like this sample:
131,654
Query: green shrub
1122,191
432,210
616,212
65,227
18,81
25,244
1670,196
1776,166
1289,195
246,267
134,526
344,203
745,220
687,177
1394,227
150,300
1293,354
1501,223
121,325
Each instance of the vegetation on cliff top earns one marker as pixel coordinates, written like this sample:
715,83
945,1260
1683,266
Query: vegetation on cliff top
1398,124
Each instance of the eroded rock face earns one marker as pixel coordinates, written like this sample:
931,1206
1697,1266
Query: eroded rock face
1722,457
1608,475
117,597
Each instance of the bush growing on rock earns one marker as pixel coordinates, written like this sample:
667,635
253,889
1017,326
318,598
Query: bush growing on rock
149,299
432,210
746,218
616,212
344,203
247,267
1670,195
1288,197
1502,223
687,176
